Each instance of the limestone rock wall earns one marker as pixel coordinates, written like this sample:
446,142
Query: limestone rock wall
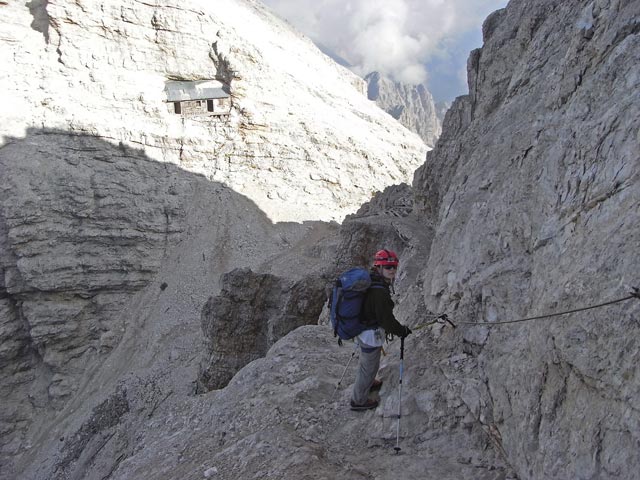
301,131
83,230
107,258
534,188
529,204
117,216
252,312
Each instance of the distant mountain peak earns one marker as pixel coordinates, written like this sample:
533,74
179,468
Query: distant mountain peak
412,105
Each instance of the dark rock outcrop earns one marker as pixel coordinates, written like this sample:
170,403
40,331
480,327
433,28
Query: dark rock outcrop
250,314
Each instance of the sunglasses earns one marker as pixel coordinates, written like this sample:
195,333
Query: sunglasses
390,267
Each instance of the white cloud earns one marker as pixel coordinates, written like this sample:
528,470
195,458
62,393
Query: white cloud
394,37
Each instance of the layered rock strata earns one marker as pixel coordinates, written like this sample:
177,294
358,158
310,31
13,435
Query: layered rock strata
107,258
84,230
118,216
300,131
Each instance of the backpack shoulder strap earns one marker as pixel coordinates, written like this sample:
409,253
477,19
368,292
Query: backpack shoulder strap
379,284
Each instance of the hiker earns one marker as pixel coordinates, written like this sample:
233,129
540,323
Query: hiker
377,311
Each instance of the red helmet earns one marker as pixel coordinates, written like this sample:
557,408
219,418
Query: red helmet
385,257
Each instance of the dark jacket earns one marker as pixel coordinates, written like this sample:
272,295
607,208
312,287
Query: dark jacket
378,307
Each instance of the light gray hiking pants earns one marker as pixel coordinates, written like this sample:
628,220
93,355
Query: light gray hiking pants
367,370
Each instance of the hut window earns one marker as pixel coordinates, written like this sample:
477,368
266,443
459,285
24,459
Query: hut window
177,108
209,105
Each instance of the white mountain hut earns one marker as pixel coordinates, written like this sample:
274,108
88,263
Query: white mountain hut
199,97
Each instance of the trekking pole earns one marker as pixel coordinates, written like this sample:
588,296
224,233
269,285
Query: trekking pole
397,447
344,372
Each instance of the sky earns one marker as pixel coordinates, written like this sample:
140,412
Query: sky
411,41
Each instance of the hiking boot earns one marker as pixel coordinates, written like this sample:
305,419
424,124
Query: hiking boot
376,385
368,405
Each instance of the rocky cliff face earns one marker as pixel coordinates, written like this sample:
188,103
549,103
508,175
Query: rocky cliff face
441,110
534,190
264,308
301,131
411,105
528,205
106,253
117,216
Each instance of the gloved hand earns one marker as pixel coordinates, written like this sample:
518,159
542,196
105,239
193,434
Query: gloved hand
406,333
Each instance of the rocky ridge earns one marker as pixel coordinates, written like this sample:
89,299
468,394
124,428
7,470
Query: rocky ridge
412,105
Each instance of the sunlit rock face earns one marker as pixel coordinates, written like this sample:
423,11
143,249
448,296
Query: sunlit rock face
300,130
411,105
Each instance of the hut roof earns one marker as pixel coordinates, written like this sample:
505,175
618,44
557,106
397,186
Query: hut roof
195,90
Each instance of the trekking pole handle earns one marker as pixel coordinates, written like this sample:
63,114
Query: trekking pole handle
402,348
